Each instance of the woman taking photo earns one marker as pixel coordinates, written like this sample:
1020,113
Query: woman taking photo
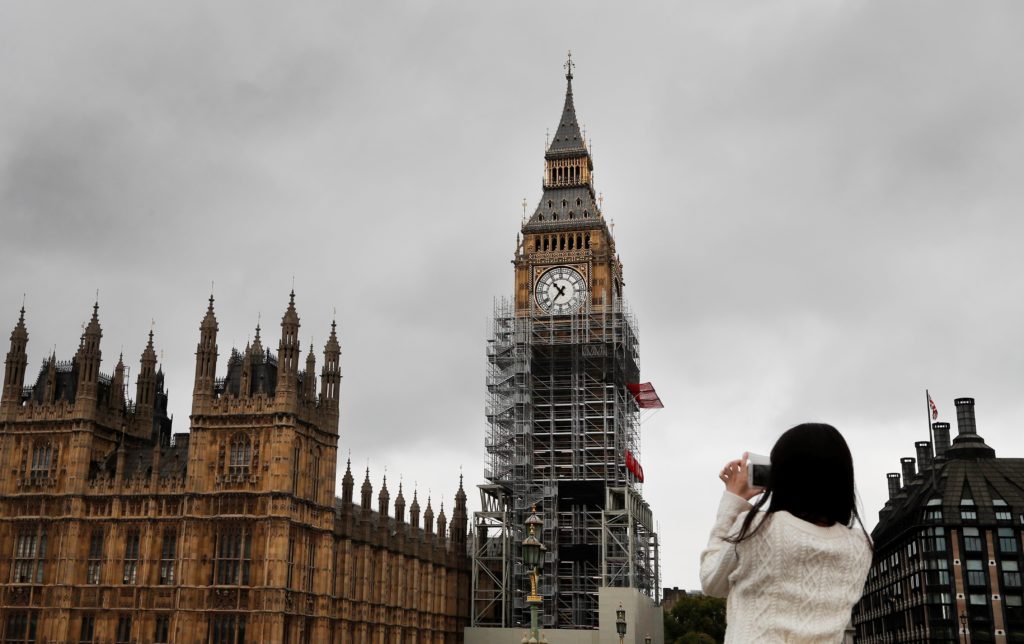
793,572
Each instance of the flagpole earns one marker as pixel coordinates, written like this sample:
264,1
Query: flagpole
928,414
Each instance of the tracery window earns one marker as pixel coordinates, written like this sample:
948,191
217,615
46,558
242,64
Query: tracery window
94,565
168,555
310,562
240,457
131,558
20,626
162,630
124,629
227,629
314,470
232,552
29,556
44,456
87,632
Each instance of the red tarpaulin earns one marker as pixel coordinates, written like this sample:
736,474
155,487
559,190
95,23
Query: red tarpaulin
644,395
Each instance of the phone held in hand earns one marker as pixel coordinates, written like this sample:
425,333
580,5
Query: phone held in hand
758,469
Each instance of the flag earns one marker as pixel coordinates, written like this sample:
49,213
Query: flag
931,405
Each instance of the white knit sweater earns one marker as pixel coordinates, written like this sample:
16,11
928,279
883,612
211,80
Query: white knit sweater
792,581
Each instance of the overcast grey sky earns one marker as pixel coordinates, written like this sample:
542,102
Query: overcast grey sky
818,205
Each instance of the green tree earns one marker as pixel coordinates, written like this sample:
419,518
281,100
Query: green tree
696,619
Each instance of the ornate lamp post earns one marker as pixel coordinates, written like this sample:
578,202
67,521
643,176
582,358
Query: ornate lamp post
963,626
533,551
620,623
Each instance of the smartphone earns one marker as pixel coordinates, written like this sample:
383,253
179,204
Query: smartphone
759,467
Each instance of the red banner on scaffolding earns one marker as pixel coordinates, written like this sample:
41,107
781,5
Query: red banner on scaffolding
634,466
644,395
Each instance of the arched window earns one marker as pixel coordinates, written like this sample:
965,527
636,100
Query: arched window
314,472
579,202
240,458
44,461
295,468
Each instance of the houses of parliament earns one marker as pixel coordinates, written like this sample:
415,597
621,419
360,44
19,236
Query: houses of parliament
115,529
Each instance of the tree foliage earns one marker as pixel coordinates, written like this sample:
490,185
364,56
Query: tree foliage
696,619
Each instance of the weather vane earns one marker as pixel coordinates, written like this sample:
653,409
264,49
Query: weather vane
569,65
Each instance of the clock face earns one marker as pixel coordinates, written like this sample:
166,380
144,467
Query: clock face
560,290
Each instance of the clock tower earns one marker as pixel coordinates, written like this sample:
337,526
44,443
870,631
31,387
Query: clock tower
563,422
566,261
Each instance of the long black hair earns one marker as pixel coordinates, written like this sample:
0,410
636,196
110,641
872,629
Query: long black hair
811,478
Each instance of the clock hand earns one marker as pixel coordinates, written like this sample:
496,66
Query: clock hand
561,290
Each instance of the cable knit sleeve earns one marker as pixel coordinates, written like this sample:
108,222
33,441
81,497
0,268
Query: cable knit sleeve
719,559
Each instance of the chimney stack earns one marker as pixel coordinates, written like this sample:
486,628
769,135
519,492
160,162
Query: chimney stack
908,469
924,455
894,484
965,416
941,434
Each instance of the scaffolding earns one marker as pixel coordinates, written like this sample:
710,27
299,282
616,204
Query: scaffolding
561,422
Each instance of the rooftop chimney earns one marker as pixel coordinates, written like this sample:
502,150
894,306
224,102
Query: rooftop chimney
965,416
908,469
967,443
924,455
941,435
894,484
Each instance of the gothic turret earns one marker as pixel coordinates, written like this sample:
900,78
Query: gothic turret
366,494
206,358
347,483
116,400
309,377
414,510
442,523
145,384
460,518
428,518
331,376
288,353
88,361
400,505
15,365
383,498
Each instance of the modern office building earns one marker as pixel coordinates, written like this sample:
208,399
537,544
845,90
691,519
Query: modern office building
948,545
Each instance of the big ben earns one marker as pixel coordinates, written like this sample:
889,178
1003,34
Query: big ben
563,438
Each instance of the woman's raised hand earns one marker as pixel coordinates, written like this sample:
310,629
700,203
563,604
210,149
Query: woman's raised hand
734,475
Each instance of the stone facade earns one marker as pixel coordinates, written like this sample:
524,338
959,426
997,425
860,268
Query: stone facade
113,530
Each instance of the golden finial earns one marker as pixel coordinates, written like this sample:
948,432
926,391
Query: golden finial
569,65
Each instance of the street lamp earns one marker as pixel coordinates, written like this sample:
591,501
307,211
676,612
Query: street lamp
963,626
620,623
533,551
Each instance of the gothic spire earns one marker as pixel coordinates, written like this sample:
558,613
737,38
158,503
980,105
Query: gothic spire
17,361
400,505
347,483
568,141
206,357
383,498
